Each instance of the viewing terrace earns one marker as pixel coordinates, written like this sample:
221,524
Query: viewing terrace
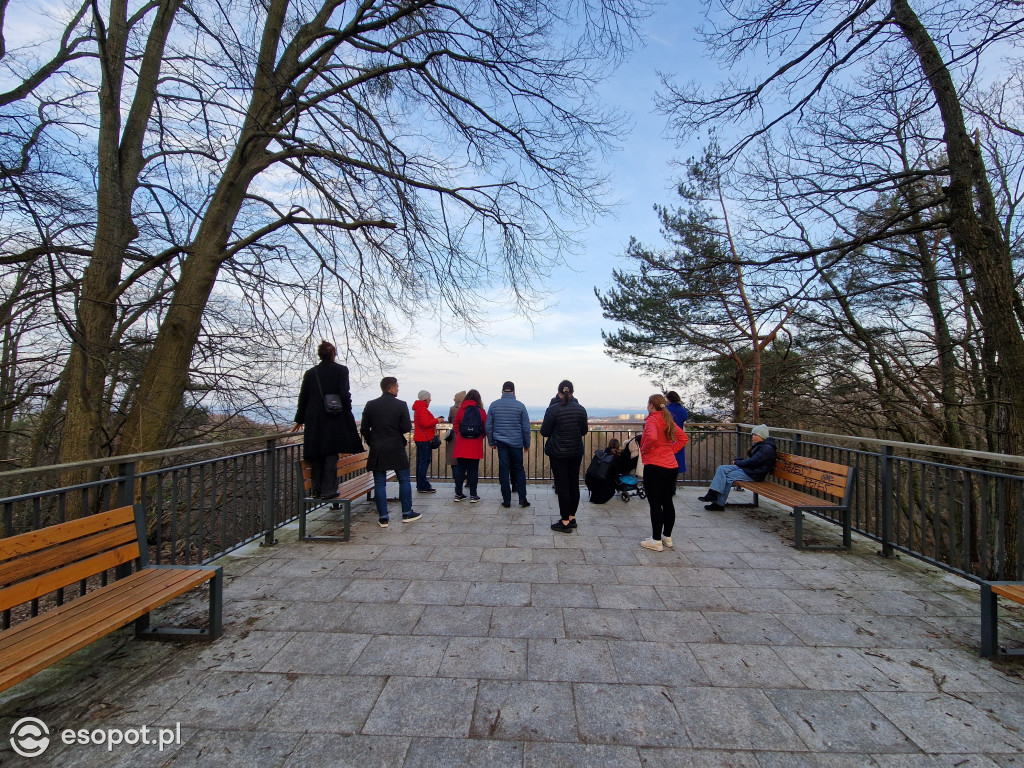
477,636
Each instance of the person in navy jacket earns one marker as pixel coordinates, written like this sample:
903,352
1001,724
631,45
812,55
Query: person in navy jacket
760,460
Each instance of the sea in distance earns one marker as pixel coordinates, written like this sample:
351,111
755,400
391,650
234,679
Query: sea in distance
536,413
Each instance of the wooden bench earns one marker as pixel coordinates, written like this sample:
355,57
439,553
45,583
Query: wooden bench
348,491
39,563
834,480
990,592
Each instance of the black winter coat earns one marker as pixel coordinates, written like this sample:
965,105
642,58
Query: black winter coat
325,433
564,426
760,460
385,424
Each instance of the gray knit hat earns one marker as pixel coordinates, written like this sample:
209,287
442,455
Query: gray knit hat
761,430
423,395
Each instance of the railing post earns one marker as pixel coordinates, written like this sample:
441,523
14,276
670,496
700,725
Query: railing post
739,442
126,484
269,492
796,444
125,498
886,461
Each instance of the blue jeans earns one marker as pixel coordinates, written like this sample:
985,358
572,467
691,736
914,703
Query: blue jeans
380,491
723,480
424,453
510,459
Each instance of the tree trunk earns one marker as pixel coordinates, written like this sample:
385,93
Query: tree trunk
974,226
739,397
120,162
164,378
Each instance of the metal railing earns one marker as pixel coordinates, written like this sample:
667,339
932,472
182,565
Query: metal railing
204,501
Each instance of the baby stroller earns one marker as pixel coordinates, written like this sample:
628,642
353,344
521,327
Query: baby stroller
626,482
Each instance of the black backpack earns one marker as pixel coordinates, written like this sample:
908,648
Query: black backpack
472,424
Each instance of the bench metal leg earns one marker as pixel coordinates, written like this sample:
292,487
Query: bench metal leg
214,625
989,618
346,507
798,533
990,625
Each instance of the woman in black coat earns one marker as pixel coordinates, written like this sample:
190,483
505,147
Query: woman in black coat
326,434
564,425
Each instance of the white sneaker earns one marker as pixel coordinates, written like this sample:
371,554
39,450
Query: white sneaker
652,544
667,541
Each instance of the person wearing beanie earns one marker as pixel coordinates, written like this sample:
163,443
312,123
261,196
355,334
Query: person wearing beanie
760,460
508,432
424,430
449,440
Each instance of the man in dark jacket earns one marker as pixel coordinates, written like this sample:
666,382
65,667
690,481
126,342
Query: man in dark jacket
759,462
326,435
385,424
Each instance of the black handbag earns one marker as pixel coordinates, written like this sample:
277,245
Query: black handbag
332,402
435,442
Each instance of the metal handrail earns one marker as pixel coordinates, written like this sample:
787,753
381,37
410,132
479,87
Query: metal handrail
140,457
959,452
967,519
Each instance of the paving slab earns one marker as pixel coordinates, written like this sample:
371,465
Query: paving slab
476,637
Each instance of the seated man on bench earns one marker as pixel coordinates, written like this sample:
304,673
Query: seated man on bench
759,462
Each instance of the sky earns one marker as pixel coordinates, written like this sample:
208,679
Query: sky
564,341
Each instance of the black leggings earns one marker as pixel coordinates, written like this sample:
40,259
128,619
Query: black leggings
566,472
660,486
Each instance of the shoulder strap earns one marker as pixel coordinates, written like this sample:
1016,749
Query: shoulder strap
319,386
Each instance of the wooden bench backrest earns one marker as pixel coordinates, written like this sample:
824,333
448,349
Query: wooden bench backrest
347,464
39,562
814,474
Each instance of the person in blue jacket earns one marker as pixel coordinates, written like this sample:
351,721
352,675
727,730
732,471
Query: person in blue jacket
759,462
508,432
679,416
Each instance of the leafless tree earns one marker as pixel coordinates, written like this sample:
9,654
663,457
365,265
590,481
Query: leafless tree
310,165
816,46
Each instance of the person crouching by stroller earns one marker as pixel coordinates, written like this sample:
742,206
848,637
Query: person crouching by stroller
660,442
755,467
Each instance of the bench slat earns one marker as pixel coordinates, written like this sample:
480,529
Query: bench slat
356,487
62,577
1014,592
53,557
86,620
139,586
814,474
347,464
788,496
24,543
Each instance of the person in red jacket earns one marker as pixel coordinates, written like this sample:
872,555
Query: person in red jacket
659,444
469,450
424,429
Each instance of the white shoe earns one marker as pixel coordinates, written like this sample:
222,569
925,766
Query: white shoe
652,544
667,541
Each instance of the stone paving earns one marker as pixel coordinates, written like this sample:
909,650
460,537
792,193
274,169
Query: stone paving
478,637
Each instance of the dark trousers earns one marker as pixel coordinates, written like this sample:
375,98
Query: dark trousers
466,470
660,486
324,475
510,465
424,453
566,471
